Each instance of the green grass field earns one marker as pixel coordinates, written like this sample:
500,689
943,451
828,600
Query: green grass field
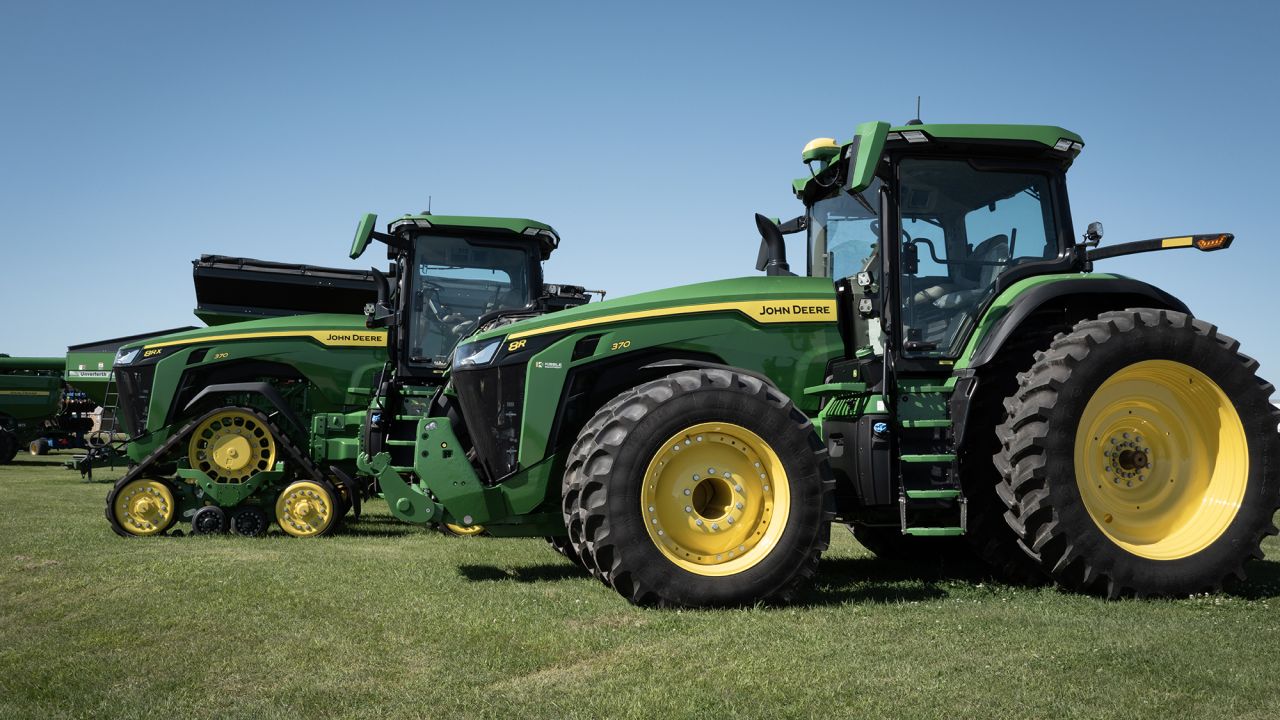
390,621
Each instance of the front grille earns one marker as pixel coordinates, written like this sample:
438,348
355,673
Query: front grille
492,402
134,388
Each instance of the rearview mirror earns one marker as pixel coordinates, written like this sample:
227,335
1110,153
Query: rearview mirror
364,231
910,258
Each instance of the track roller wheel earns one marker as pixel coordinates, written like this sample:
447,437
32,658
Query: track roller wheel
702,488
249,521
143,508
209,520
308,508
1140,457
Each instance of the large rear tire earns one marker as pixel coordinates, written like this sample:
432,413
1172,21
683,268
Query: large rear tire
1140,456
702,488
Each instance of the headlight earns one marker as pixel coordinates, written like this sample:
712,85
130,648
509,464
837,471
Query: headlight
124,357
476,353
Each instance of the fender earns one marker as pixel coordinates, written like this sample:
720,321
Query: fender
1133,293
678,364
266,390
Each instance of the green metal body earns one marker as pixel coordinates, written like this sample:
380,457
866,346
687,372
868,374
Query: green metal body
30,388
782,328
334,355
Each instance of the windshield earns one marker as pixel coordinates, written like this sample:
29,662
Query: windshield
843,233
455,281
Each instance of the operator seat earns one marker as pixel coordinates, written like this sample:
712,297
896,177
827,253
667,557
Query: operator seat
939,310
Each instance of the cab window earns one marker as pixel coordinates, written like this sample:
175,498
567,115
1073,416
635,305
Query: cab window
962,227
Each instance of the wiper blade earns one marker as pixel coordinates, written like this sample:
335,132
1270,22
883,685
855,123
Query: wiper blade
866,205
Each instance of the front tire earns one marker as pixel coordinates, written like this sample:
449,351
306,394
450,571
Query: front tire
702,488
1139,457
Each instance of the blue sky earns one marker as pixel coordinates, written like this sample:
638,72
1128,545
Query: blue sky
136,136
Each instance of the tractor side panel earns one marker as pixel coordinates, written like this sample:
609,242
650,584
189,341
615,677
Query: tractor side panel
183,371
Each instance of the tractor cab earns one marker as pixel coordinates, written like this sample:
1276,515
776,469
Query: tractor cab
968,217
452,275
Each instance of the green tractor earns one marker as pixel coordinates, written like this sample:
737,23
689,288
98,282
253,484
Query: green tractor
244,423
948,369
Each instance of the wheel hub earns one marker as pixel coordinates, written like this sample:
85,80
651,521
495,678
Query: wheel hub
714,499
232,452
1127,460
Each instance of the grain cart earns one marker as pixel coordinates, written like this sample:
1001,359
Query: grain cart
236,425
949,364
37,407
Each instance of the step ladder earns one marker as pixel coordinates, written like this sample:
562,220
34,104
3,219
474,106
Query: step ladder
108,452
927,473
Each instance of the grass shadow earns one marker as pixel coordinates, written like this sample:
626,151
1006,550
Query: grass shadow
873,580
545,572
1263,581
368,529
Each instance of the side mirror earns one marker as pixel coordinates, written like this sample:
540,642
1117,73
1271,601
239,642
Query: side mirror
773,249
364,231
1093,235
910,259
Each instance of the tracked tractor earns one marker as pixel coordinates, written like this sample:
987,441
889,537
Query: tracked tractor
248,423
948,368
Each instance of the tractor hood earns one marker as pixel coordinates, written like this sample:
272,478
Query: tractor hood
763,299
332,330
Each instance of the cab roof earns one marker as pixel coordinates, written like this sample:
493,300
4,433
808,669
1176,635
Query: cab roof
442,224
1057,141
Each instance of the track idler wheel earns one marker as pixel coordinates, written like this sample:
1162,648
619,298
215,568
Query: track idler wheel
308,508
143,508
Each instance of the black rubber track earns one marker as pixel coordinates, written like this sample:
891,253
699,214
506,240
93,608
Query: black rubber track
1037,466
293,456
606,467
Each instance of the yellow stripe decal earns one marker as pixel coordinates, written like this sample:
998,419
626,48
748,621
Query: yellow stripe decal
332,338
26,393
761,311
1175,242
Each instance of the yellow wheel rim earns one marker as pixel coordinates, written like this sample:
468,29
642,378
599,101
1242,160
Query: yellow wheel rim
715,499
464,530
144,507
305,509
1161,459
231,447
